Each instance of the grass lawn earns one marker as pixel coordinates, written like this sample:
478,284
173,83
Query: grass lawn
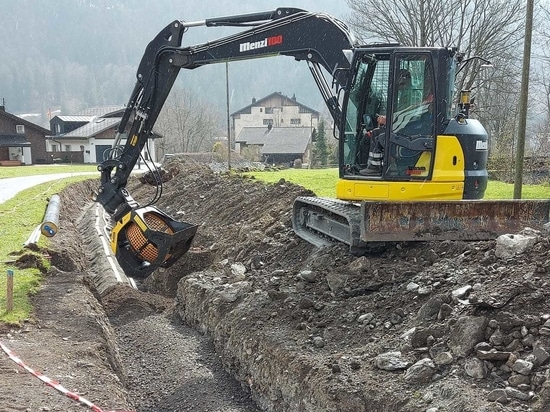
323,183
18,171
19,216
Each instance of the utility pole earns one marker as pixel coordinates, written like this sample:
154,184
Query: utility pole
228,121
520,151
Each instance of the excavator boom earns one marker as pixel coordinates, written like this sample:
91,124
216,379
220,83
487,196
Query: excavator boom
145,238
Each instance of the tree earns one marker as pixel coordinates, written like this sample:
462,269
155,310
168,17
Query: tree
186,123
488,28
321,151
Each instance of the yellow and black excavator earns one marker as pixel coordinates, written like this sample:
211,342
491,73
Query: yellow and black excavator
412,163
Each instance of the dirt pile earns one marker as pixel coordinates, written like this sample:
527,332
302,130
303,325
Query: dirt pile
446,326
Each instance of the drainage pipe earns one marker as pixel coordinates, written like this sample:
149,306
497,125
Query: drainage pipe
50,224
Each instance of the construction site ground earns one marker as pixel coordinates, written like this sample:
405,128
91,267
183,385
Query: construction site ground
255,319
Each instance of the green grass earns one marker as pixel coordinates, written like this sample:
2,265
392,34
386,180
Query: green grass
17,171
323,183
500,190
18,218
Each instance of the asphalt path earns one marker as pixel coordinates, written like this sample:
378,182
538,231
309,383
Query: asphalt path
10,187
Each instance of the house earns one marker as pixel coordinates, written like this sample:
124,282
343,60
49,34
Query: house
89,136
21,142
276,129
275,145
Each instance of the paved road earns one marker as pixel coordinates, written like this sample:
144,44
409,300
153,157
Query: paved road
10,187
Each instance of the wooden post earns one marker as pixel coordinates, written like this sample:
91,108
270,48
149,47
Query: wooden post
9,294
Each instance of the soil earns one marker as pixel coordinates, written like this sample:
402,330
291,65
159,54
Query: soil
253,318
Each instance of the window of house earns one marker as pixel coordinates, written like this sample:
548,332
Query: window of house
57,128
81,148
295,121
268,121
54,148
67,147
20,129
269,110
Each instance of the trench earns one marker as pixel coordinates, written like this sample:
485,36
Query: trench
163,364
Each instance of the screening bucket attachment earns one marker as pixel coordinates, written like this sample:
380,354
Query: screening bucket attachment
145,239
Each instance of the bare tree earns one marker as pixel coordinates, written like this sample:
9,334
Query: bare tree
491,29
187,123
488,28
539,148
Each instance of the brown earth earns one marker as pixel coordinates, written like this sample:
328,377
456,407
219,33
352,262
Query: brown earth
254,318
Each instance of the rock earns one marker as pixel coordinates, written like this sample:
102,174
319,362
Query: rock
306,303
545,329
443,358
508,321
238,270
421,372
307,276
475,368
444,311
336,281
466,333
419,336
497,395
391,361
517,394
493,355
424,290
497,338
430,309
359,265
437,349
522,367
365,318
318,342
511,245
517,380
461,293
412,287
541,355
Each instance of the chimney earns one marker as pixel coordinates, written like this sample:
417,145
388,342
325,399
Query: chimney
3,105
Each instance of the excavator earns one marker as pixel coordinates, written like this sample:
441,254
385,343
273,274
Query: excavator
412,161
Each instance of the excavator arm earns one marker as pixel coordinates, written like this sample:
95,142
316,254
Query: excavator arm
145,238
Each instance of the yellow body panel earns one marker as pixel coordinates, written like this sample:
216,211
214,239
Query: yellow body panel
115,230
449,160
447,180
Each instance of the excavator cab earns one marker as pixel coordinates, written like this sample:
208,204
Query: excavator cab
399,131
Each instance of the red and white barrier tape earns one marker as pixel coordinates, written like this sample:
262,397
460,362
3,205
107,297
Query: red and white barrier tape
51,382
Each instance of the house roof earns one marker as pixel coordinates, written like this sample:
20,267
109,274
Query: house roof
13,140
76,118
259,102
24,122
94,127
277,140
103,111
